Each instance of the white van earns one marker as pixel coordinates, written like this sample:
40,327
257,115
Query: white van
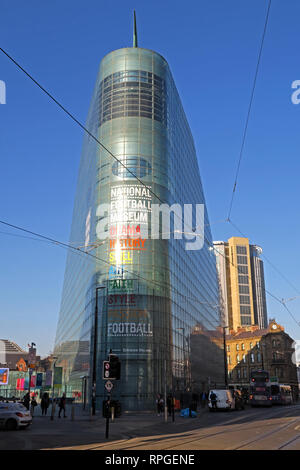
225,400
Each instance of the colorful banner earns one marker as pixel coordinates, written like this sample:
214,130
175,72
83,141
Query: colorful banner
20,384
4,373
39,380
57,376
32,381
48,378
32,357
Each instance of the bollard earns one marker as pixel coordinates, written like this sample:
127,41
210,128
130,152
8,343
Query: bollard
72,413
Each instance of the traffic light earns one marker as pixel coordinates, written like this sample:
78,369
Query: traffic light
115,366
106,370
112,368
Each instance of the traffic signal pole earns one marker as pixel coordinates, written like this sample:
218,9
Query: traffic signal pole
94,373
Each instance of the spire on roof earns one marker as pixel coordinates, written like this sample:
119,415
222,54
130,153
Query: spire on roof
135,41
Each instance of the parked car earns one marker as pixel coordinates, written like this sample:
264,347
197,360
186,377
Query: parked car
14,416
225,400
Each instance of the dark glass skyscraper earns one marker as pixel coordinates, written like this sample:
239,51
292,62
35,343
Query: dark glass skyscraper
150,292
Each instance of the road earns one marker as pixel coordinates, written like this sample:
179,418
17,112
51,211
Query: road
252,429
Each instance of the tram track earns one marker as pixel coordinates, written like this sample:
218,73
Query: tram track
250,416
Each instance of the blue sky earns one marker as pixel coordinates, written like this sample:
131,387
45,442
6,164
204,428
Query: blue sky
212,48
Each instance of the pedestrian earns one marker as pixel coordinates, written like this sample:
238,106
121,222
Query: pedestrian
161,404
169,404
157,401
62,405
45,403
33,405
203,399
213,399
26,400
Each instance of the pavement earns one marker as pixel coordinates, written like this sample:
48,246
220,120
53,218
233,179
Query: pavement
264,428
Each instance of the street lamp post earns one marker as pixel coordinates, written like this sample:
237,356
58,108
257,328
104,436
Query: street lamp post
31,360
53,373
225,356
94,371
184,371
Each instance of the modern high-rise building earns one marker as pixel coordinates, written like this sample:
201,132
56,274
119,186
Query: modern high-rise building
141,296
242,284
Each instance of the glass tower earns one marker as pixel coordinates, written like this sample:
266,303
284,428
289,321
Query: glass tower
151,292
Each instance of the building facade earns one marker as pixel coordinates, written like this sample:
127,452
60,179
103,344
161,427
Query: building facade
248,349
242,284
270,349
142,296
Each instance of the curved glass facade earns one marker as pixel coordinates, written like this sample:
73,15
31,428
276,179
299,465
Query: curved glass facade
151,292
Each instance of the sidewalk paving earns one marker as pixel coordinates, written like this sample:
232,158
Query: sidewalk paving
86,431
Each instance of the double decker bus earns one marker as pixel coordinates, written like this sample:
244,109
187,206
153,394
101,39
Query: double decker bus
260,390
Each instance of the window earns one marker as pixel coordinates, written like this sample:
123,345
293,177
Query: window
241,250
243,279
238,373
245,374
244,357
258,344
245,320
242,269
242,259
238,358
258,357
228,360
237,347
243,289
228,347
243,347
132,93
273,343
245,299
245,310
251,345
252,358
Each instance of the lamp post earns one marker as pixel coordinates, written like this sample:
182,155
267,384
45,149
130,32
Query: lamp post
53,373
225,356
184,364
94,371
31,362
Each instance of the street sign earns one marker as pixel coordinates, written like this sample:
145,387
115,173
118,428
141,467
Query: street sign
109,385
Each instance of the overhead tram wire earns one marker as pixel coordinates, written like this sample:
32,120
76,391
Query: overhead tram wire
112,155
268,261
82,252
249,110
282,302
63,108
82,126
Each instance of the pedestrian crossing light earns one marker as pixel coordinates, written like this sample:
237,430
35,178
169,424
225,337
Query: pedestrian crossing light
112,368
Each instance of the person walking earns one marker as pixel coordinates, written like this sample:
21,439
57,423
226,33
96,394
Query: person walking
33,405
161,404
26,400
203,399
62,405
213,399
169,404
45,403
157,402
